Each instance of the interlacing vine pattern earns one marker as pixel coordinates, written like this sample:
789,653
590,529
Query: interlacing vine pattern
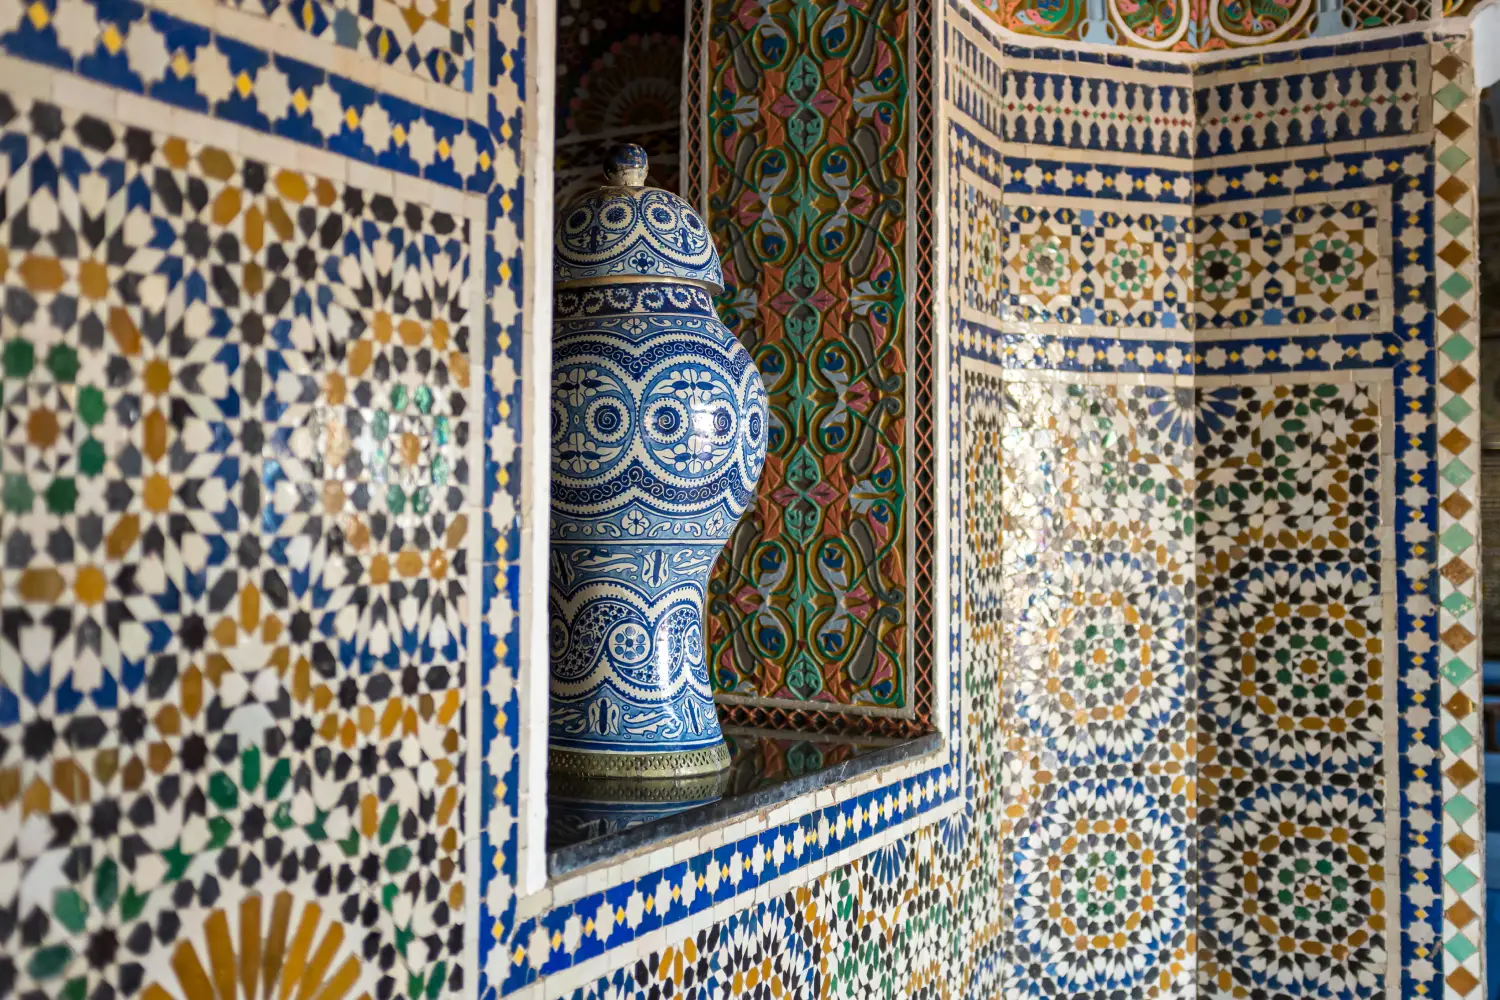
807,189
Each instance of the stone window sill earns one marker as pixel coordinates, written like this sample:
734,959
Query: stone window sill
575,843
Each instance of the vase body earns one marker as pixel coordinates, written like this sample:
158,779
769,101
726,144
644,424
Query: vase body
659,422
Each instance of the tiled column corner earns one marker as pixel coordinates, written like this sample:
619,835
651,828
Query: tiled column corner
1456,336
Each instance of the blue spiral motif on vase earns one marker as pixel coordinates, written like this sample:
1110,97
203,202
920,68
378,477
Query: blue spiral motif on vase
659,426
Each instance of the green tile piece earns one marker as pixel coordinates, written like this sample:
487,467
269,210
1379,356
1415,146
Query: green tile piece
1453,158
1456,409
1457,347
62,495
17,494
1456,285
1456,671
1458,604
1456,538
1461,948
1458,740
1456,473
1461,878
18,357
1450,96
1454,222
62,362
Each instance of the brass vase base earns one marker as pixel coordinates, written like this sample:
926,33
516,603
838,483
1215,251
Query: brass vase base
567,765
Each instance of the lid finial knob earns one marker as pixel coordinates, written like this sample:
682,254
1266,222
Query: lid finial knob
625,165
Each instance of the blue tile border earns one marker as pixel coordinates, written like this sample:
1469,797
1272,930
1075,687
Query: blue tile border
177,84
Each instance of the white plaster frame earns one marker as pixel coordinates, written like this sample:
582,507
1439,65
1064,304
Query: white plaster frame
536,453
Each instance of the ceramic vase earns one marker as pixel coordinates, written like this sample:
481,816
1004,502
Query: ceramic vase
659,422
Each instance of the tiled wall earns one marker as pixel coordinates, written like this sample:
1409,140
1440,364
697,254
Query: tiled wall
262,716
1212,486
261,339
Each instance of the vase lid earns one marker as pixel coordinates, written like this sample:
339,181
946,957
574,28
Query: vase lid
627,231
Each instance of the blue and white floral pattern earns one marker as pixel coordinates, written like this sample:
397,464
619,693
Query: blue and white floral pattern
659,421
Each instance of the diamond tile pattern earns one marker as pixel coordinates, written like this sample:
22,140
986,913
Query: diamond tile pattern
1455,109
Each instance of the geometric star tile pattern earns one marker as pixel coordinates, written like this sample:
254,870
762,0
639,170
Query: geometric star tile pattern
1090,263
232,644
152,52
1308,266
1293,723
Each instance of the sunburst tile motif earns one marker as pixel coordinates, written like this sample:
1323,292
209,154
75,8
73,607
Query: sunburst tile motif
233,640
1095,563
982,244
1101,893
276,946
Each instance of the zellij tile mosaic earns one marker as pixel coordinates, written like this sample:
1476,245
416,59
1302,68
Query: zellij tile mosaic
1211,685
233,620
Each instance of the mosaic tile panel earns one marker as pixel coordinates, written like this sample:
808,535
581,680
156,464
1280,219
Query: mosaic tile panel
1294,631
432,40
1176,271
1121,111
1366,95
1080,262
1096,636
234,627
1315,267
807,199
198,574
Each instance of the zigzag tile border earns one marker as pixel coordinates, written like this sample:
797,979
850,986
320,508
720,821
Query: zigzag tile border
1455,107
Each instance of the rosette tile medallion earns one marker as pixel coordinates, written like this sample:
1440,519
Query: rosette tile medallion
659,423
